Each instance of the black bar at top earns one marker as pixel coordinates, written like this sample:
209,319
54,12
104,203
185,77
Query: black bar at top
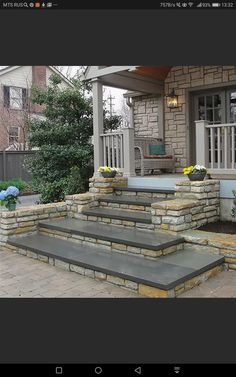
39,5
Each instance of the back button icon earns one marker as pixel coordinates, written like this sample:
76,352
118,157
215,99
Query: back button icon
138,370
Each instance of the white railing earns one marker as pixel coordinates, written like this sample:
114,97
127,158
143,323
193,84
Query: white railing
118,150
215,146
113,149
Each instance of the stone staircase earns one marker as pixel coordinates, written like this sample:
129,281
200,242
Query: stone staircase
115,241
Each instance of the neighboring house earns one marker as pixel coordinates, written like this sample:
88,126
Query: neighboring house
200,125
16,83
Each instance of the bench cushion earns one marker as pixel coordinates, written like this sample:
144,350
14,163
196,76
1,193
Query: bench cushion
157,149
160,157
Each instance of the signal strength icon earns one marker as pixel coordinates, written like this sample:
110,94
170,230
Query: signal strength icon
190,4
199,5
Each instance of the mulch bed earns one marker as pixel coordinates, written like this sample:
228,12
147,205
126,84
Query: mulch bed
228,227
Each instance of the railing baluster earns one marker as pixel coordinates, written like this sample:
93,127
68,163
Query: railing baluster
233,147
109,151
121,152
117,151
113,151
225,147
212,148
218,147
104,151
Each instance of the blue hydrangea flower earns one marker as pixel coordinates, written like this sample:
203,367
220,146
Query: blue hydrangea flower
2,195
13,191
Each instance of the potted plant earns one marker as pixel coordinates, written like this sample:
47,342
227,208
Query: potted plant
108,172
195,173
9,198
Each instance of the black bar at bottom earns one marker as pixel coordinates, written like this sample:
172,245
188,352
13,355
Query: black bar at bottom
128,370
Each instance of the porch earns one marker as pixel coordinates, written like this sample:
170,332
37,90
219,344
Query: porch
192,140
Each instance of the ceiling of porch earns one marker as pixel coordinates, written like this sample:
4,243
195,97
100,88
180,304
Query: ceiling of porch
158,72
143,79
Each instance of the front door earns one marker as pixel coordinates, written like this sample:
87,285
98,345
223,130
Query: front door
217,107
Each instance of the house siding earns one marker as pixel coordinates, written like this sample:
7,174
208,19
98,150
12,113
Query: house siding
146,117
183,79
20,77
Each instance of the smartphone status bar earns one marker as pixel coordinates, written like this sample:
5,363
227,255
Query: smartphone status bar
106,4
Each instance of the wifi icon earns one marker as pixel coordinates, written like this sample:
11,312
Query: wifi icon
190,4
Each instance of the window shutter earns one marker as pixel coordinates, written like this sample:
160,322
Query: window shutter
6,94
25,98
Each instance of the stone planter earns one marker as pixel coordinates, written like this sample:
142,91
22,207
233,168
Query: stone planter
197,176
111,174
11,206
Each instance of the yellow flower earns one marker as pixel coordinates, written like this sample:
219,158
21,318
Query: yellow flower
188,170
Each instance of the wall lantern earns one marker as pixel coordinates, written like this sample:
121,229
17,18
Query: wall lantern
172,100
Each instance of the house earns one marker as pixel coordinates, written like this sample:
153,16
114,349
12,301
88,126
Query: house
191,108
16,83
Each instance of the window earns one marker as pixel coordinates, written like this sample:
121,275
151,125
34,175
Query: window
14,97
16,100
13,135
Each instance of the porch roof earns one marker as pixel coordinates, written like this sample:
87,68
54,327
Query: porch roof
144,79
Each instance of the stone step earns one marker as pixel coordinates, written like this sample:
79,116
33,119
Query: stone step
166,277
130,202
133,240
119,214
146,189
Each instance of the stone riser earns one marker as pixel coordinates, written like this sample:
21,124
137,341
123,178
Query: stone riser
130,207
140,194
142,289
112,246
121,223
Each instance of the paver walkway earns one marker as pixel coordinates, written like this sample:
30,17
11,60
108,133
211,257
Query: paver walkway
21,276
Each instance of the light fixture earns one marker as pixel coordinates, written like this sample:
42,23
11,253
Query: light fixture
172,100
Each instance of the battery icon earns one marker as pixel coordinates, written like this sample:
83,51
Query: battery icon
215,5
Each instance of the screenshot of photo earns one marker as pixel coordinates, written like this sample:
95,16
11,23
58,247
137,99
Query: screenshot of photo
117,188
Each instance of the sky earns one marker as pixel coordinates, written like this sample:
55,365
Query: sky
114,92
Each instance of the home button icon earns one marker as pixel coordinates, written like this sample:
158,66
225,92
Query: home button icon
98,370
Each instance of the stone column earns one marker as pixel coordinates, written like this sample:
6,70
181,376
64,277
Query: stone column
106,185
195,204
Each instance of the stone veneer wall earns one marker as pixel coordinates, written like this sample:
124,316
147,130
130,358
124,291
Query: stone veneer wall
182,78
146,116
25,220
196,204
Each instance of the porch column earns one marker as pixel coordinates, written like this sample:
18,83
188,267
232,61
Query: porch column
129,165
202,142
97,124
129,156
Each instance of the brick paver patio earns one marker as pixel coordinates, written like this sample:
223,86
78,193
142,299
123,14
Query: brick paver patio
21,276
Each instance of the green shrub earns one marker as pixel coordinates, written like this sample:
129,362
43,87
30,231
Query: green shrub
21,185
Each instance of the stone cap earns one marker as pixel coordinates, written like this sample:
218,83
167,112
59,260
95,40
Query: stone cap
85,196
206,182
34,210
175,204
